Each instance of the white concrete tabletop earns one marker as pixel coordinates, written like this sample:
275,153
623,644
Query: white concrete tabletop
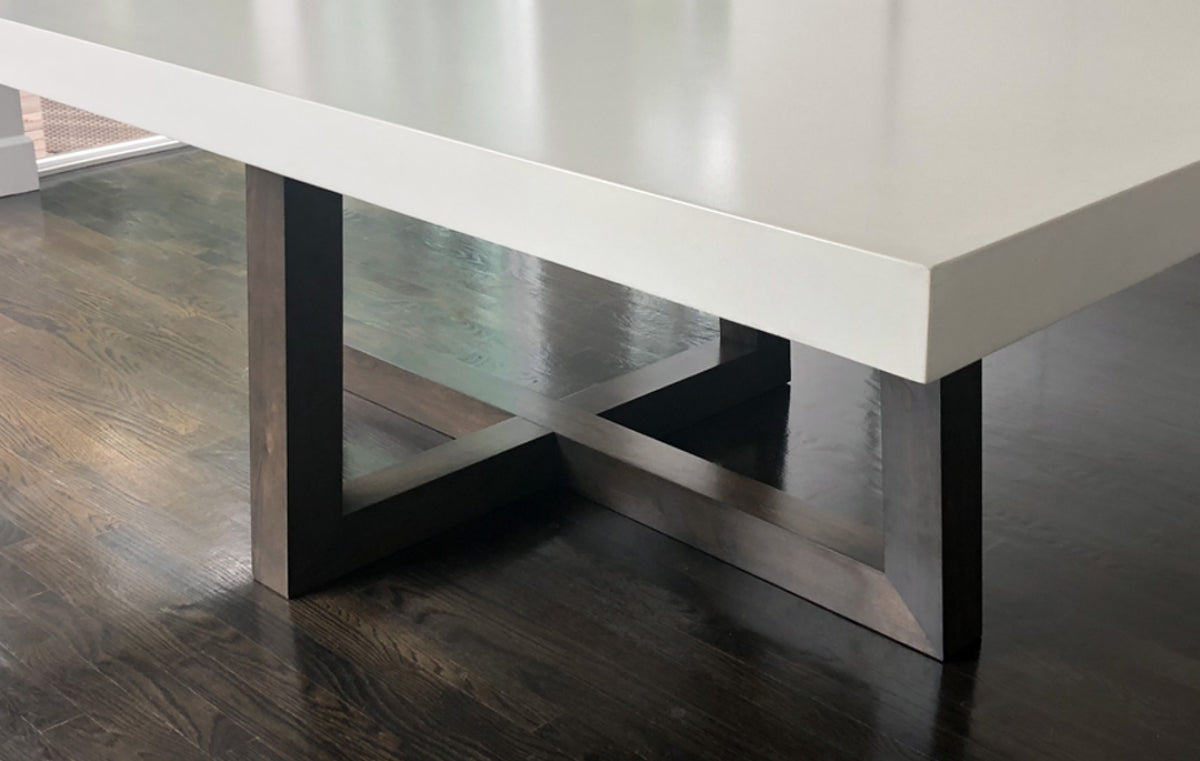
912,185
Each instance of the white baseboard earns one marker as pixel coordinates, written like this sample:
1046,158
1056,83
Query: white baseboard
65,162
18,168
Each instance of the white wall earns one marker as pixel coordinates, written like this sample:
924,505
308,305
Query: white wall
18,167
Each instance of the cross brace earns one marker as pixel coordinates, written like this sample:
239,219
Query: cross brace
916,580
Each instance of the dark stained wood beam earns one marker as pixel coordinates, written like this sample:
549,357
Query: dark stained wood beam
294,273
933,504
688,508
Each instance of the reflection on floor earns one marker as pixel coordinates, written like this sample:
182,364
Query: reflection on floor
129,626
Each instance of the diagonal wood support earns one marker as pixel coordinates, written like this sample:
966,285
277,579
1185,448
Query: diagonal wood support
917,580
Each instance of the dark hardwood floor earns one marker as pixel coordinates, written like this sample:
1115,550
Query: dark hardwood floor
130,627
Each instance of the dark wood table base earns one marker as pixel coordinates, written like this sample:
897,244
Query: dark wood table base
918,581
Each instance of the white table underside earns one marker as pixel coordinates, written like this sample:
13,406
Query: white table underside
909,185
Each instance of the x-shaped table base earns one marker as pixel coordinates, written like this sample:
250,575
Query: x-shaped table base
918,580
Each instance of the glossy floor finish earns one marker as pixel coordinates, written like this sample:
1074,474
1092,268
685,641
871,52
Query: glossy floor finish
129,626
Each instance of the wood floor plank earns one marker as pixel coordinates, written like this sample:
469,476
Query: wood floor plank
954,707
621,573
404,700
10,533
25,699
21,742
126,688
414,708
125,718
363,634
705,703
15,584
85,737
254,751
115,641
43,505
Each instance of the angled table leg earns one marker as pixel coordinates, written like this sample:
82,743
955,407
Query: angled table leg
294,272
933,505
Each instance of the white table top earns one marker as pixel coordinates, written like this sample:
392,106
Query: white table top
909,184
